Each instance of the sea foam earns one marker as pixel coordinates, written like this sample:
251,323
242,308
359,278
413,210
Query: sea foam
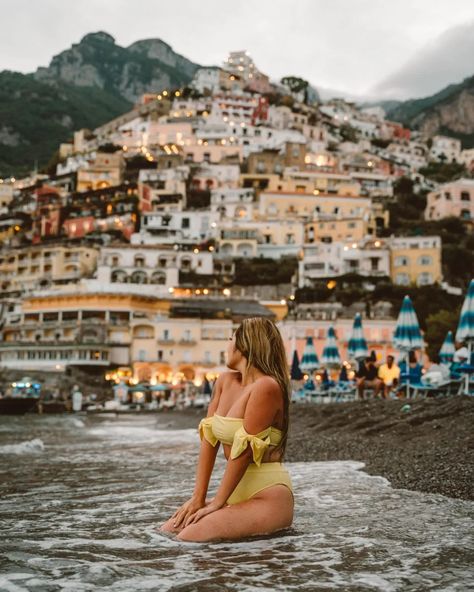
28,447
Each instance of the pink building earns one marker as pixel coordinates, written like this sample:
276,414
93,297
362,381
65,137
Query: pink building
451,199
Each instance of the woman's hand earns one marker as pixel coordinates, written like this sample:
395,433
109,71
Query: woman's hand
212,506
187,509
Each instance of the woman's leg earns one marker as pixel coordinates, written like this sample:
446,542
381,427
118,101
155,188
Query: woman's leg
168,525
267,511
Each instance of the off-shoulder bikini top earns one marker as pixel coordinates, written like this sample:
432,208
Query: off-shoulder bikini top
230,430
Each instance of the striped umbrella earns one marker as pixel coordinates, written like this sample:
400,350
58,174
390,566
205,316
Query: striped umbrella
357,347
331,356
295,373
407,334
309,361
465,330
447,350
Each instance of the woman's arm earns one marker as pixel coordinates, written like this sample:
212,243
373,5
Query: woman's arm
206,461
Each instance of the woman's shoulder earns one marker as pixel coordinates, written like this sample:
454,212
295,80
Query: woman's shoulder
266,386
228,376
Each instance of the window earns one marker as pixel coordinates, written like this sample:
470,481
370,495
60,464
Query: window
465,196
166,334
465,214
447,195
402,279
425,260
185,223
207,357
141,355
160,355
424,279
374,263
221,357
401,262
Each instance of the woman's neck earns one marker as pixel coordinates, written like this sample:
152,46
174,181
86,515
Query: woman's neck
249,375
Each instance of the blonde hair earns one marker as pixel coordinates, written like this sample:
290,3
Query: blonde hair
260,342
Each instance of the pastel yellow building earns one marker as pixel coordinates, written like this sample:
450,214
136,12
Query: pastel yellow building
309,182
415,260
54,331
40,266
334,229
281,204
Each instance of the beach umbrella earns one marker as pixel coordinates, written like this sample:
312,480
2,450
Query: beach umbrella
357,347
331,356
206,387
343,376
295,373
309,361
447,350
407,334
465,330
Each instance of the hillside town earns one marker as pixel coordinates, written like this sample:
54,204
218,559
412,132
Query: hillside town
149,238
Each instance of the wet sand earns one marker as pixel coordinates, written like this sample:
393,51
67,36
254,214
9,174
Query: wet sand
429,448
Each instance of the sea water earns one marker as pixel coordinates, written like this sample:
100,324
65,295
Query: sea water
81,498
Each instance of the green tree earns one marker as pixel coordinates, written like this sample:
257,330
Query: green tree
437,326
296,85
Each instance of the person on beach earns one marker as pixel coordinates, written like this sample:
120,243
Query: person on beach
367,378
413,369
389,374
249,415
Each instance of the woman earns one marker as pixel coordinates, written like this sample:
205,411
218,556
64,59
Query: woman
248,414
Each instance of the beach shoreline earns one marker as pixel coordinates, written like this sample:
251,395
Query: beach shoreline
428,447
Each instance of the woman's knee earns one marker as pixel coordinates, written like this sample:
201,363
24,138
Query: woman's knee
168,526
192,534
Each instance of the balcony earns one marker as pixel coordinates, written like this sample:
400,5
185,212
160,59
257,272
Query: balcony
168,341
187,342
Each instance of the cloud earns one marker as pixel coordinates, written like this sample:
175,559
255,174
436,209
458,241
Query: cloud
446,60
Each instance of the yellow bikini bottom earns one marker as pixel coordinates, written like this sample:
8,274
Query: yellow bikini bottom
257,478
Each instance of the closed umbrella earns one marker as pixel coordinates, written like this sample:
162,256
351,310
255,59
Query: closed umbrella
309,361
465,331
331,356
357,347
446,353
407,334
296,373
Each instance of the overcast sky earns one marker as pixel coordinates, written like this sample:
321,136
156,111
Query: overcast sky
349,45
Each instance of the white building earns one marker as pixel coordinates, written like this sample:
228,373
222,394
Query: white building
327,260
446,148
186,226
232,203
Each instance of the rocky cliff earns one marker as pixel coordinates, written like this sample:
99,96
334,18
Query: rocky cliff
450,112
145,66
84,86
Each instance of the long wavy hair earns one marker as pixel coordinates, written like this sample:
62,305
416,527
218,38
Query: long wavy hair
260,342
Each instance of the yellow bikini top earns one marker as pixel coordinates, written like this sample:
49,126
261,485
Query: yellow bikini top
230,430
